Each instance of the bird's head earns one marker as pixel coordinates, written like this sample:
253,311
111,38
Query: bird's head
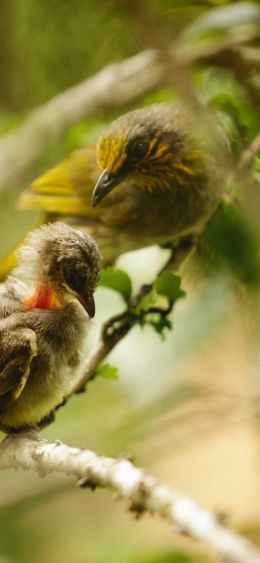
150,147
65,262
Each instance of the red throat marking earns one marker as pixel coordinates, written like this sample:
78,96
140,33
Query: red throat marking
42,297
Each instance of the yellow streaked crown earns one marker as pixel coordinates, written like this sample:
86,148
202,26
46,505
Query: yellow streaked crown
111,152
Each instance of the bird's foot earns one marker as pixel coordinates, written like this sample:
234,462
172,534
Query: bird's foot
179,251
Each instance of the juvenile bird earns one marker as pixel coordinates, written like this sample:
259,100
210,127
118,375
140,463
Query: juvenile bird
158,182
43,323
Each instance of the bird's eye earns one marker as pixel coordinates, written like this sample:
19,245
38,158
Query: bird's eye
137,150
74,278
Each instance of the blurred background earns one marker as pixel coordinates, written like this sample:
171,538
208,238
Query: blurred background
186,407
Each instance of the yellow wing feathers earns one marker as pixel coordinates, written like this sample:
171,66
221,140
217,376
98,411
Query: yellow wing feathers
7,263
66,188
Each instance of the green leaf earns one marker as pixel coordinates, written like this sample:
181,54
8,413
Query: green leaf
159,324
168,284
118,280
107,371
147,301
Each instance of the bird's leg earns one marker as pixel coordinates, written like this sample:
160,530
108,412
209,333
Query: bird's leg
179,252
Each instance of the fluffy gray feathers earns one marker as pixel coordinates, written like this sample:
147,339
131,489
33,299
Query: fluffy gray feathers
41,347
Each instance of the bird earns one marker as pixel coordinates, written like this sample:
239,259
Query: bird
46,304
150,178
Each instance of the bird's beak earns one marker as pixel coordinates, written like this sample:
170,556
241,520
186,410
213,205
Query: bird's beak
104,185
87,301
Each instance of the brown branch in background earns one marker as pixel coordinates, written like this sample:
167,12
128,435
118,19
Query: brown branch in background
248,156
229,52
141,491
232,58
147,29
115,86
240,173
118,85
214,52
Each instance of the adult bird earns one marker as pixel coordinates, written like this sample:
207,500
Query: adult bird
158,182
43,323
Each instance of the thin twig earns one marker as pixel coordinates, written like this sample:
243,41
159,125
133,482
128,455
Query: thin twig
247,157
141,491
112,332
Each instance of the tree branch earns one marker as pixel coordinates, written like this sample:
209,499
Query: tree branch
229,52
247,157
87,372
141,491
114,86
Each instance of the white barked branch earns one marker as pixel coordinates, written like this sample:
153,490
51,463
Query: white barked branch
141,491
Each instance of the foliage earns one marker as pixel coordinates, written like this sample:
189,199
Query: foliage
107,371
169,285
117,280
146,308
233,242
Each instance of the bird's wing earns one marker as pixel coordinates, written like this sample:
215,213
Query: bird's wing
12,294
18,348
66,188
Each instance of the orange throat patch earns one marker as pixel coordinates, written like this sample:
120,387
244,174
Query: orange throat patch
42,297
